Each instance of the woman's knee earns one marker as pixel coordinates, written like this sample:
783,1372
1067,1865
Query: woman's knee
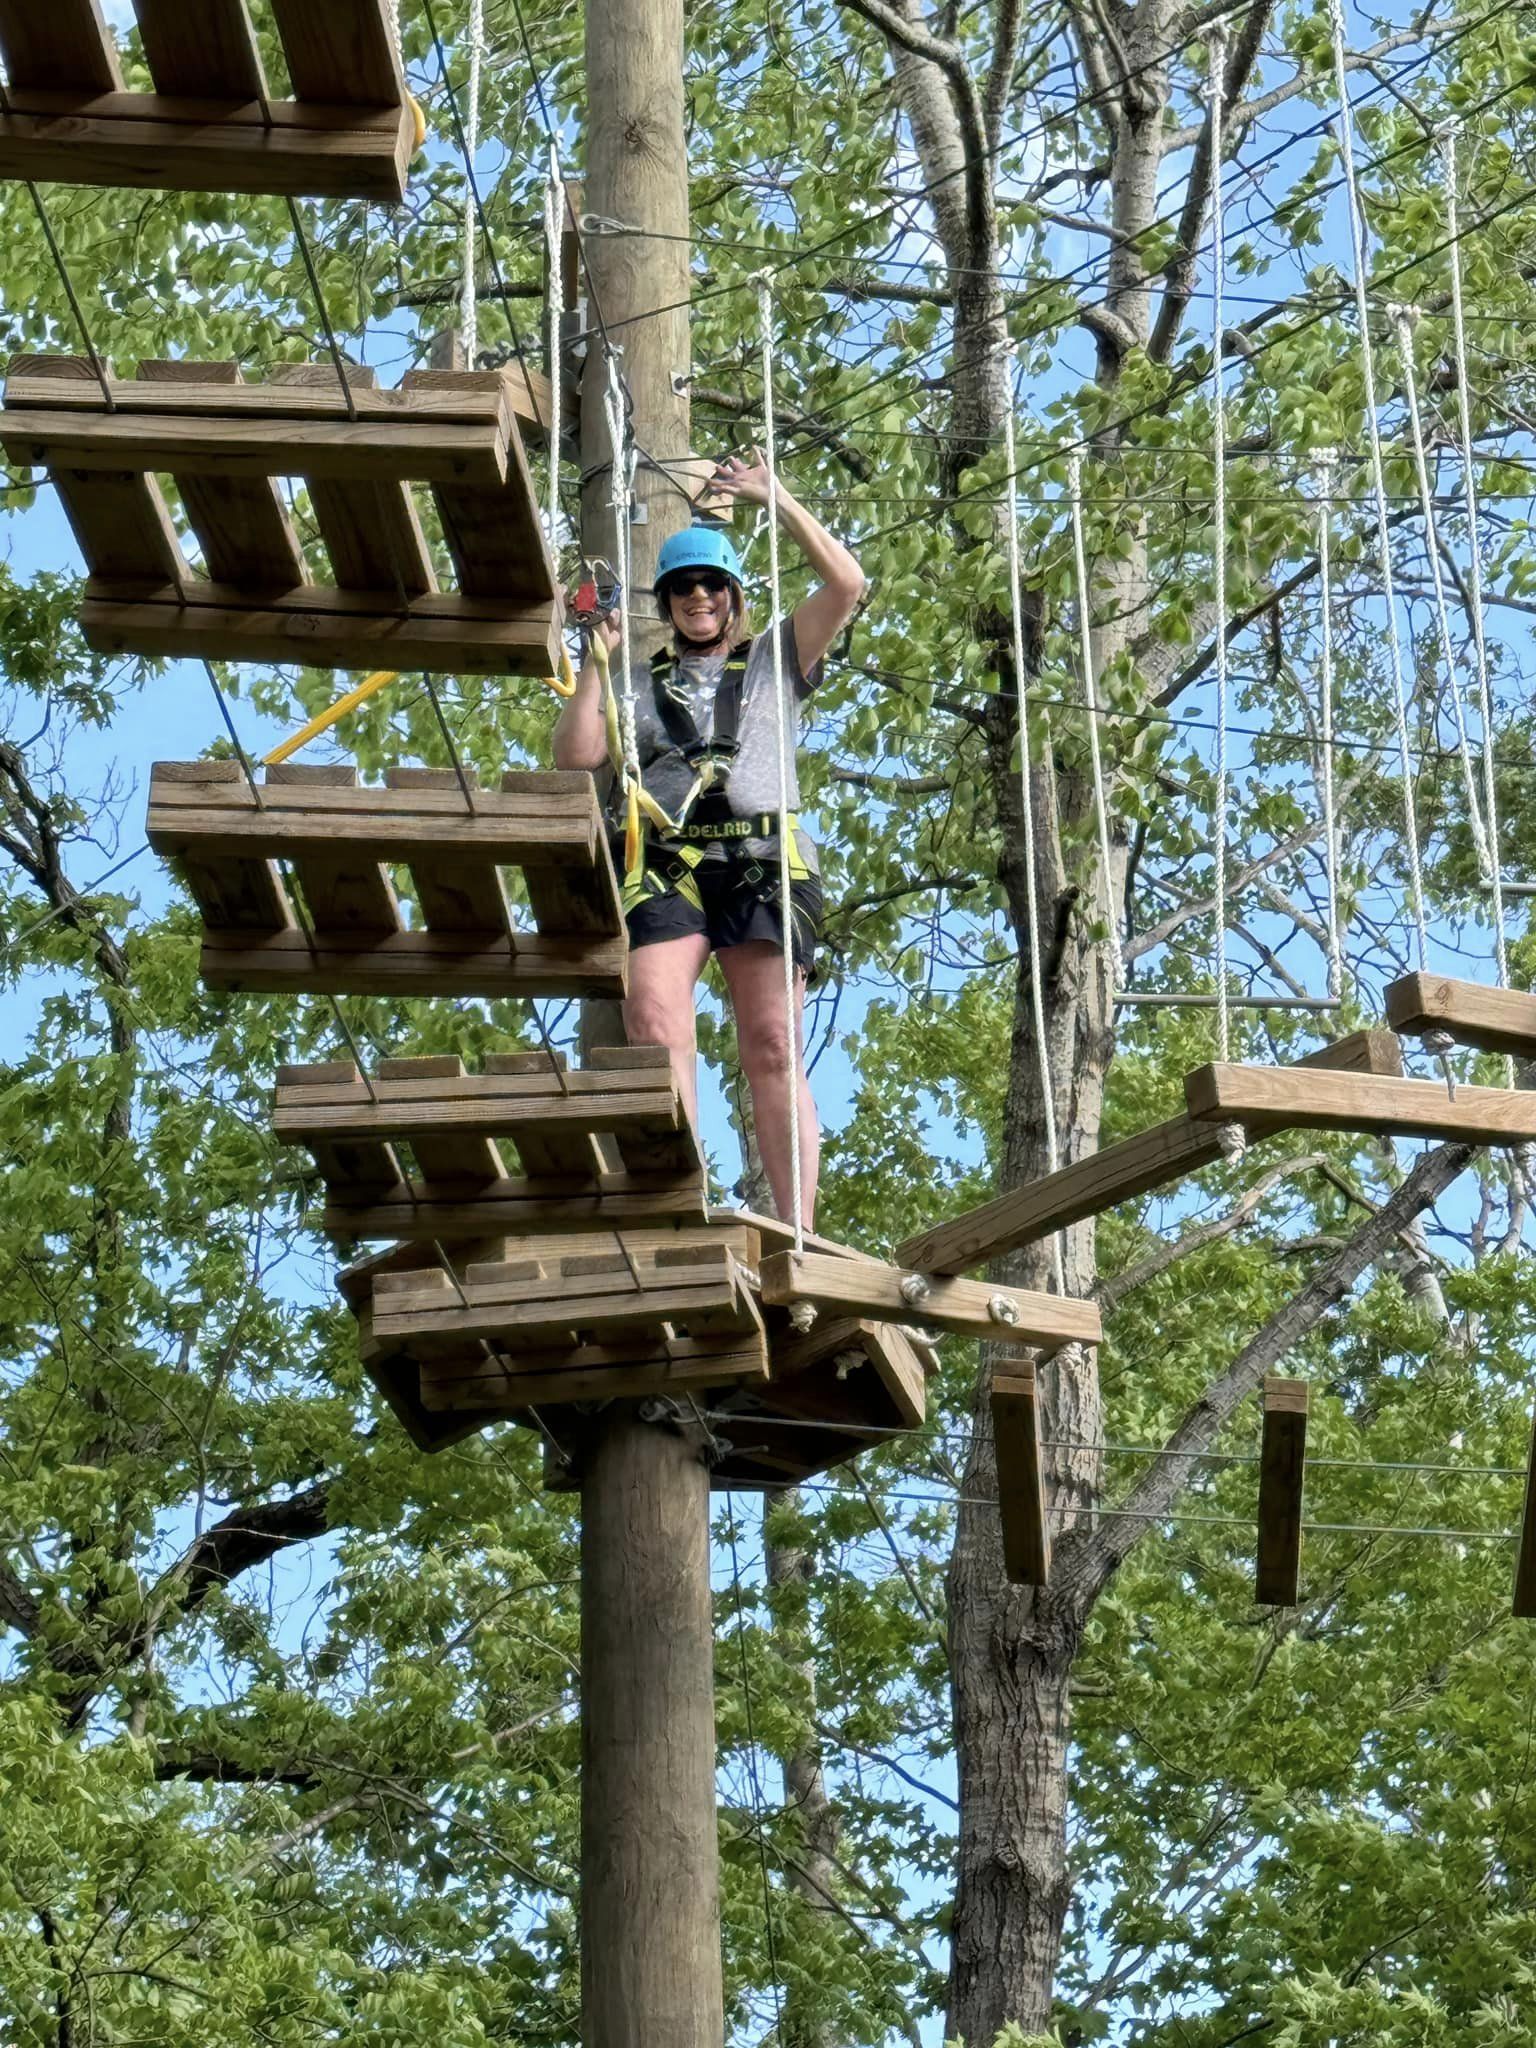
650,1018
764,1046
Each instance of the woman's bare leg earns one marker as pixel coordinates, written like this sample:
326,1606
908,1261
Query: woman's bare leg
754,974
659,1009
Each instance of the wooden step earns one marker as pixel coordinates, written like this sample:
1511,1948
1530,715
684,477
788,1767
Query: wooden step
359,452
210,124
1277,1098
464,1128
1017,1434
1282,1480
1114,1174
348,933
1491,1019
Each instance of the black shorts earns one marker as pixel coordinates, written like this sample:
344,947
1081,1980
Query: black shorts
738,902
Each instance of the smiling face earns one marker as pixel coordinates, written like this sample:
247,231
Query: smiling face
701,604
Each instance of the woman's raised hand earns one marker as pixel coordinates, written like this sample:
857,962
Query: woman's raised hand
738,478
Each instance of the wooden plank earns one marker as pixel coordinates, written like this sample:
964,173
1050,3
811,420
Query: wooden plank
251,442
1115,1173
1282,1476
1525,1556
1491,1019
1359,1052
887,1389
513,1205
1133,1166
498,1104
203,49
84,135
495,536
233,893
285,401
241,522
557,1155
343,51
609,1307
58,45
968,1307
457,894
364,1165
462,1159
568,898
388,825
343,889
322,628
526,393
1278,1097
414,964
594,1373
1020,1479
121,521
371,531
669,1147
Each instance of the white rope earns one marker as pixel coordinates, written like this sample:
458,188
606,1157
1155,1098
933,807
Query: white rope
1379,481
1091,700
621,465
1475,559
1215,89
1402,321
554,230
782,714
469,307
1027,801
1330,821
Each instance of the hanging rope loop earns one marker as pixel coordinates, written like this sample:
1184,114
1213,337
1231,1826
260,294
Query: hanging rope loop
469,304
784,714
1215,98
1091,703
1326,478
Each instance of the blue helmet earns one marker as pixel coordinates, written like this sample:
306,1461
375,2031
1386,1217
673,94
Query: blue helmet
697,547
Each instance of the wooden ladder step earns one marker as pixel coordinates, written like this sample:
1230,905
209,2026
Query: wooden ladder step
1278,1098
1282,1482
509,1384
461,1159
1020,1478
210,124
342,890
455,894
363,1164
1490,1019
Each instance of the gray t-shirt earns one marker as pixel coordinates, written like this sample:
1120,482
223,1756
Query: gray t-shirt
754,779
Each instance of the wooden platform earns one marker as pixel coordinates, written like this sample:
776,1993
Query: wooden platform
426,1157
363,591
784,1406
211,122
1117,1173
1277,1098
342,841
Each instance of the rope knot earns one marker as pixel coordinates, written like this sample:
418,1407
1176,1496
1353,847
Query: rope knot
1232,1140
1438,1043
915,1290
1004,1310
802,1316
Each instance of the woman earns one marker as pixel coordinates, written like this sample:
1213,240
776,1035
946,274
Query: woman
708,747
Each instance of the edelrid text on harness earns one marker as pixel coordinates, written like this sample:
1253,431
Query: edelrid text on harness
672,858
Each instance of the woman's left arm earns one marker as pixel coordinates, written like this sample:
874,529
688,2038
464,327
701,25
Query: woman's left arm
822,616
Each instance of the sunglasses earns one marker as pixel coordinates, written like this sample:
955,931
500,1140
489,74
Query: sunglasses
711,581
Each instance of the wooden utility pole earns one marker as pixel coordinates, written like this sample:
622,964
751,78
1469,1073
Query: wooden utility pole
650,1913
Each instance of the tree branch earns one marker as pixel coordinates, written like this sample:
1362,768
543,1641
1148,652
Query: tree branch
1110,1293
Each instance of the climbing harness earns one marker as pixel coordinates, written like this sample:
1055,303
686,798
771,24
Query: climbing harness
711,759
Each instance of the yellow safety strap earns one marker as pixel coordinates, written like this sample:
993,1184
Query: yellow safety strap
326,719
421,120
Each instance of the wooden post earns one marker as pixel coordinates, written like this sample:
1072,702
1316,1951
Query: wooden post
1282,1477
650,1917
1020,1478
650,1912
1525,1562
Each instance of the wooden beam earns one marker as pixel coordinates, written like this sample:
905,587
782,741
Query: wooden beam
241,522
1525,1557
968,1307
206,438
595,1372
288,400
1282,1477
1020,1480
1114,1174
1491,1019
414,964
509,827
80,135
343,51
421,1212
63,43
494,1105
204,49
323,628
1272,1097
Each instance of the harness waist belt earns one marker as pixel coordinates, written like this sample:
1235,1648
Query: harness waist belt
763,825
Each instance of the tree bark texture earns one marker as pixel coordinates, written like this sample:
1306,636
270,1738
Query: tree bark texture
650,1915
